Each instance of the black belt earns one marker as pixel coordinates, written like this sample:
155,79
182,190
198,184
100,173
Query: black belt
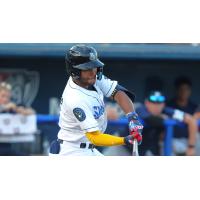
82,145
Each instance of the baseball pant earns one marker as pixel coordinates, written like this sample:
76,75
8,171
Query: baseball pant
71,149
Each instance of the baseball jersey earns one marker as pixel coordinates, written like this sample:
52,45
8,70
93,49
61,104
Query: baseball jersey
83,110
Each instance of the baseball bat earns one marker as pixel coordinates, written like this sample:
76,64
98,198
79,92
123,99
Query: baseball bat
135,148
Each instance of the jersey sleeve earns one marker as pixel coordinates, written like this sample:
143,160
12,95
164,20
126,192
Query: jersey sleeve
106,85
84,118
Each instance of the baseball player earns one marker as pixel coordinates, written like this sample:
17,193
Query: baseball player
83,118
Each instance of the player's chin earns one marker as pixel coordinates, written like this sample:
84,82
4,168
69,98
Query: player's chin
91,81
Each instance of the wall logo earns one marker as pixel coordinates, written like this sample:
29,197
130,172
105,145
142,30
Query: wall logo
25,84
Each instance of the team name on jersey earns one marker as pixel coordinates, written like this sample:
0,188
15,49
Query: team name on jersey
98,111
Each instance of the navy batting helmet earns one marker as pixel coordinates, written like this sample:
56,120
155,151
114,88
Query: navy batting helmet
82,57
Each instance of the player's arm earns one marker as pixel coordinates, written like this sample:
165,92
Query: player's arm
192,129
189,120
124,99
102,139
124,102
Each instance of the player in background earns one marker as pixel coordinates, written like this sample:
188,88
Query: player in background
182,101
154,112
7,106
83,117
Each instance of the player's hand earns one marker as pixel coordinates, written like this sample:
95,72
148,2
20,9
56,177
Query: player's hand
135,127
128,140
190,151
10,106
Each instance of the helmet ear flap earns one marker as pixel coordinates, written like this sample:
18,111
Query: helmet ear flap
75,73
71,71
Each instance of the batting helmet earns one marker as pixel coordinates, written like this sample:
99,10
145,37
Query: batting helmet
82,57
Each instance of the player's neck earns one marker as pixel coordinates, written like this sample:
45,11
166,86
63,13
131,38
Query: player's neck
81,84
182,102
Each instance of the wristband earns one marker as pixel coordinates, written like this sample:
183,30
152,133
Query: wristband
132,115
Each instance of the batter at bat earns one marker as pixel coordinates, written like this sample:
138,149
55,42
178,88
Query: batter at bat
83,118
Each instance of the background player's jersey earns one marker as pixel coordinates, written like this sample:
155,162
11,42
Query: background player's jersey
83,110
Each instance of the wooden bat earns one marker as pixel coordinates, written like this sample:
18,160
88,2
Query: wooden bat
135,148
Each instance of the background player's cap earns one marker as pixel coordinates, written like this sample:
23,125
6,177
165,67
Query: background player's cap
156,97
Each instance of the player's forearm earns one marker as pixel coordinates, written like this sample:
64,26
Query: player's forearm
192,128
192,134
100,139
124,102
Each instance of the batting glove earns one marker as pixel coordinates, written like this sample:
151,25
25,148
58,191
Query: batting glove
128,140
135,128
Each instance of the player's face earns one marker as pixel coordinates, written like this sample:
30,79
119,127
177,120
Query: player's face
4,96
184,92
88,77
155,108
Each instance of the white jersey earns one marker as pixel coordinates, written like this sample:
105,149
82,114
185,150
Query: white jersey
83,110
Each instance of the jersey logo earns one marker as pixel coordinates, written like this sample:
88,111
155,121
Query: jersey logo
79,114
98,111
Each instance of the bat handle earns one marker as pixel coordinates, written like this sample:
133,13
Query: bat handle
135,148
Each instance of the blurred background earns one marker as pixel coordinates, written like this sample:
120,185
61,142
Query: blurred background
38,77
